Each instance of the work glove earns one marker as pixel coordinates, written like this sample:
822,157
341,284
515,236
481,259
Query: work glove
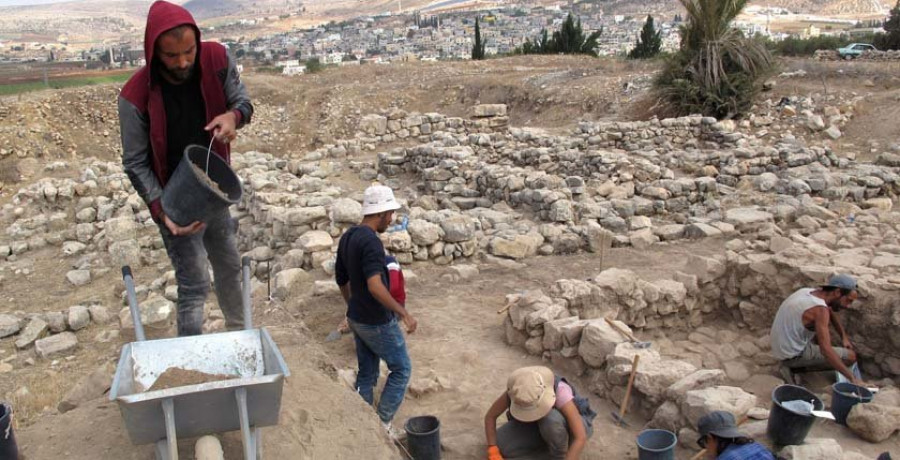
494,453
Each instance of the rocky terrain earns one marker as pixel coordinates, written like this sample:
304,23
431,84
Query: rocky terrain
525,191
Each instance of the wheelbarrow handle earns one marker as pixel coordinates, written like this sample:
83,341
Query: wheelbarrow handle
245,288
133,303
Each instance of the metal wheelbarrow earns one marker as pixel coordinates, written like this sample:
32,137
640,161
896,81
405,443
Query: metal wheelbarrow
247,402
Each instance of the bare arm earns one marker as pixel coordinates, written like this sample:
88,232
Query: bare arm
576,429
345,292
836,320
490,418
823,336
383,296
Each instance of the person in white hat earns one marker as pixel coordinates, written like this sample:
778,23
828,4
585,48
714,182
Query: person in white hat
546,416
372,313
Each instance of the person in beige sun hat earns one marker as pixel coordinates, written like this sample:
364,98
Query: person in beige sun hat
546,417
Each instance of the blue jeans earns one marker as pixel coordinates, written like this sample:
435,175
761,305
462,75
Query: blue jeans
374,343
189,255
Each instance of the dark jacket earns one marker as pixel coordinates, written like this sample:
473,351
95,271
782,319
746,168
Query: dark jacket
142,114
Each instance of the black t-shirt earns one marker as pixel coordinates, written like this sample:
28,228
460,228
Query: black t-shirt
360,256
185,118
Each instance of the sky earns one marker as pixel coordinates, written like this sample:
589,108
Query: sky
28,2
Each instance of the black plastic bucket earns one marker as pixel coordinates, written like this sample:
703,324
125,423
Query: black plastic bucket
187,198
785,427
9,450
423,436
843,399
656,445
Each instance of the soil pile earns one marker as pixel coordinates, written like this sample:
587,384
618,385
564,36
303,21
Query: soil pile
213,185
177,377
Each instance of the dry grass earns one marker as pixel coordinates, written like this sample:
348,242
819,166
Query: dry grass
9,172
44,392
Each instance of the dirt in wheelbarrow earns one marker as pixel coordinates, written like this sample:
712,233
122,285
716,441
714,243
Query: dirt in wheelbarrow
177,377
213,185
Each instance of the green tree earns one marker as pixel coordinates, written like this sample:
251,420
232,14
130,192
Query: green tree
648,43
569,39
478,47
890,40
314,65
717,71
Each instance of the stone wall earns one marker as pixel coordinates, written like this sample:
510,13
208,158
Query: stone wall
833,55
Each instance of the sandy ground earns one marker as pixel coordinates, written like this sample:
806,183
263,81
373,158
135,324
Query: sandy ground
460,336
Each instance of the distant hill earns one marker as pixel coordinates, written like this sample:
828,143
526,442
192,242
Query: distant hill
209,9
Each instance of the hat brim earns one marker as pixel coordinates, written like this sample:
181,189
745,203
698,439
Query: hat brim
542,408
726,433
380,208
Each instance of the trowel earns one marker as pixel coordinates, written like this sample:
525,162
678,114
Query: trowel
823,414
334,335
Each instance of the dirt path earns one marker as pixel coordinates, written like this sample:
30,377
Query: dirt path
460,338
319,419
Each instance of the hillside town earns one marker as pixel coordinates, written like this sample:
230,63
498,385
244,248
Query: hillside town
385,38
404,36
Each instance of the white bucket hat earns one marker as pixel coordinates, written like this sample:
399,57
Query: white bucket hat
378,199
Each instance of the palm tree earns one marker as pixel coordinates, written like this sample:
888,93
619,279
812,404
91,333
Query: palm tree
717,70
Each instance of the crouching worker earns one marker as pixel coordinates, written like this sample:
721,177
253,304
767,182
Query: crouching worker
547,418
722,440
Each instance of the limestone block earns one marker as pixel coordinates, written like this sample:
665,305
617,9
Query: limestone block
667,417
814,449
424,233
34,330
346,211
156,312
59,343
698,380
291,283
655,377
79,317
458,228
553,332
874,422
314,241
9,325
598,339
698,403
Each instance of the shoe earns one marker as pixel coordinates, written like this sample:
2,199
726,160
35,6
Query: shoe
393,433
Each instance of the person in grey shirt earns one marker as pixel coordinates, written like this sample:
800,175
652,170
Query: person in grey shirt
808,314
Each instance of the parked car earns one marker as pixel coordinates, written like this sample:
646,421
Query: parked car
854,50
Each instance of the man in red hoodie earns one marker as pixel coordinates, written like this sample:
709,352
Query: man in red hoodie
188,93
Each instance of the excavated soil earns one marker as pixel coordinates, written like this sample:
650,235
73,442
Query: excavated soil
175,377
460,336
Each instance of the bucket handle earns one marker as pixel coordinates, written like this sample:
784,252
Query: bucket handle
9,426
208,150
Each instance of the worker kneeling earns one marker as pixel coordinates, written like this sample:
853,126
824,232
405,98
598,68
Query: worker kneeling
722,440
546,417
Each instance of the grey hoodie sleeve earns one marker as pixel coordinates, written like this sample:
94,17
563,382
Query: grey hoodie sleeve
136,154
236,93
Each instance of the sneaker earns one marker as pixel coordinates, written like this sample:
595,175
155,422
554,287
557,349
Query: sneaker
393,433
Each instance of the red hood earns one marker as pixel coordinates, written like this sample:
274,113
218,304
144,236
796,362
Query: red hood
162,17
